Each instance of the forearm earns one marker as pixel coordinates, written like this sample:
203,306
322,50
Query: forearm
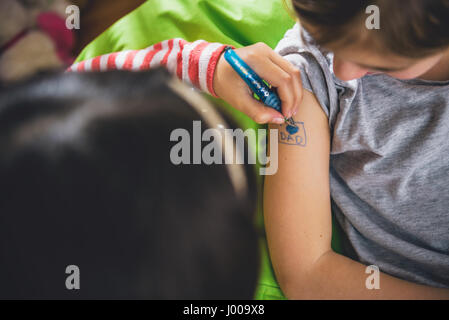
194,63
334,276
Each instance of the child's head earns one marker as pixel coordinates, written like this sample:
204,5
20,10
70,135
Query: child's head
86,180
412,38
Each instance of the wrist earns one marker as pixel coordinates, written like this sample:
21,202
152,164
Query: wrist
213,68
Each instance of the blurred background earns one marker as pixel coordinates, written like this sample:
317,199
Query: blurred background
98,15
33,36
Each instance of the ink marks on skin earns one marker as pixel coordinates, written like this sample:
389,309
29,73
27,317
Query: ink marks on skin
293,135
291,129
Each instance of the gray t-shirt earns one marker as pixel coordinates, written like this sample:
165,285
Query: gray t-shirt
389,163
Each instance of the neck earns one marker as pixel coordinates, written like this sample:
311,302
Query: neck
440,71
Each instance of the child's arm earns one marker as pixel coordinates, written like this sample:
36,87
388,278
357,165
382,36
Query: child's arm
298,223
194,63
202,64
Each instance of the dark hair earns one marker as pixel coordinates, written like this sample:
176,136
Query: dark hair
409,28
86,180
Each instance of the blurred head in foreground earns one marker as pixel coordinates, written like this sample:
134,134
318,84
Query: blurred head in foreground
86,180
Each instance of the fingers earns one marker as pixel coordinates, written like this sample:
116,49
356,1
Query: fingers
285,88
274,69
281,74
295,75
280,79
257,111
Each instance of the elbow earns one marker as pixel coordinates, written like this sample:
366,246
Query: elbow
296,288
307,282
296,284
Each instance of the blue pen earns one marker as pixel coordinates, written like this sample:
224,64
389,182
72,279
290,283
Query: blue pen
257,85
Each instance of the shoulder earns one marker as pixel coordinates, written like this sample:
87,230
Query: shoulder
316,67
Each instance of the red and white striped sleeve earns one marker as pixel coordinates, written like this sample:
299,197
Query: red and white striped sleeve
194,63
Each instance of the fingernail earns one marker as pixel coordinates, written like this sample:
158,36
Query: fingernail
278,120
295,112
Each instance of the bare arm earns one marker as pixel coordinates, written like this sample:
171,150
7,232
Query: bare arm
299,227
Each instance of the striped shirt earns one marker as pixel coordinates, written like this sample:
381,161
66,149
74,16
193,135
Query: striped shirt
192,62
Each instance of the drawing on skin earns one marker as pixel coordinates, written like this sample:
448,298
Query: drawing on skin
291,129
293,135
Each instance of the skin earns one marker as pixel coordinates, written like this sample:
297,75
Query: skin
299,226
270,66
298,217
355,62
349,63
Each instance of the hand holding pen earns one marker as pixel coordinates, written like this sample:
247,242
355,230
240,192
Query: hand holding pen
271,67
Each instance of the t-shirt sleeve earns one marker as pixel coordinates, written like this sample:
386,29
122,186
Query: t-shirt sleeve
315,68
